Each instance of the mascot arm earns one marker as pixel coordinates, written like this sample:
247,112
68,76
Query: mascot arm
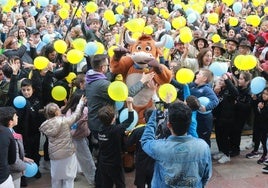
164,77
122,66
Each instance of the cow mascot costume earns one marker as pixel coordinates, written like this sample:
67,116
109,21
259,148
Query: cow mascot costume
142,57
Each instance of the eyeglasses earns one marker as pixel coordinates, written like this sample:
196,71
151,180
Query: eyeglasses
257,43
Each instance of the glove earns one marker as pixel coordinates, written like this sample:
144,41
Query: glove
157,67
119,52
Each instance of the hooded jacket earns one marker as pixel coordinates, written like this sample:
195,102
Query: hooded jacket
57,129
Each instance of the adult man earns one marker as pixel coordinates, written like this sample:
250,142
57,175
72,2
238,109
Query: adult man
92,33
97,91
180,160
8,150
35,42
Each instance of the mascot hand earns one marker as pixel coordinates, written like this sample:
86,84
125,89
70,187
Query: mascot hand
119,52
157,67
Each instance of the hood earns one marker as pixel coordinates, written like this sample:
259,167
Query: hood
92,76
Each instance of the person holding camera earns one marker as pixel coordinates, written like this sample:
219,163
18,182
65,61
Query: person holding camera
180,160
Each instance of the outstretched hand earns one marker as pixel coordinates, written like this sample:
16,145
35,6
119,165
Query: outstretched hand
120,52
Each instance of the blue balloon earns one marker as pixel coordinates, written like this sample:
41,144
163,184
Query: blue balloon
46,38
237,7
257,85
54,2
191,18
33,11
119,105
31,170
167,26
3,2
43,3
177,6
124,115
19,102
218,69
204,102
189,11
169,41
91,48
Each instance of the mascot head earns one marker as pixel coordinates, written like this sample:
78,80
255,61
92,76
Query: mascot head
144,49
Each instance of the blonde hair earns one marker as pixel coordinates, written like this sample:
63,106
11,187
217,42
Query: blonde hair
50,110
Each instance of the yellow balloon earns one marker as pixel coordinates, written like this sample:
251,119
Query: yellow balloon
118,91
184,76
61,2
167,93
66,6
136,35
256,3
63,13
216,38
186,35
91,7
100,49
107,14
120,9
245,62
112,20
178,22
40,62
75,56
70,77
266,10
233,21
111,51
60,46
228,2
117,38
79,13
156,10
136,2
148,30
135,25
255,20
79,44
213,18
59,93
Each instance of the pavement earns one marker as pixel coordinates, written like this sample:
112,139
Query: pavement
239,173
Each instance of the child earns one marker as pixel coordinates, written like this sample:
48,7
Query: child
61,148
224,116
19,166
79,135
143,163
110,164
260,129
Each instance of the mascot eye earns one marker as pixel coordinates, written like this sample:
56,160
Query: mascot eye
148,48
138,47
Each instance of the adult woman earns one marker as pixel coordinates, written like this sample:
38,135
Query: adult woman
11,48
22,33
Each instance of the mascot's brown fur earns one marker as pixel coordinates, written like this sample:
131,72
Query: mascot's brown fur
143,58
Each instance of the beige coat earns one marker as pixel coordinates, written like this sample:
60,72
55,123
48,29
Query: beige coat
57,129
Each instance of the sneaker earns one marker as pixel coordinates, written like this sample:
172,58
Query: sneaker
217,156
252,155
262,159
265,162
38,175
265,170
224,159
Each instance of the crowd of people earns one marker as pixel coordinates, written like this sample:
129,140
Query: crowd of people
84,128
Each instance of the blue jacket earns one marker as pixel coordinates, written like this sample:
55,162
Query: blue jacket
180,161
